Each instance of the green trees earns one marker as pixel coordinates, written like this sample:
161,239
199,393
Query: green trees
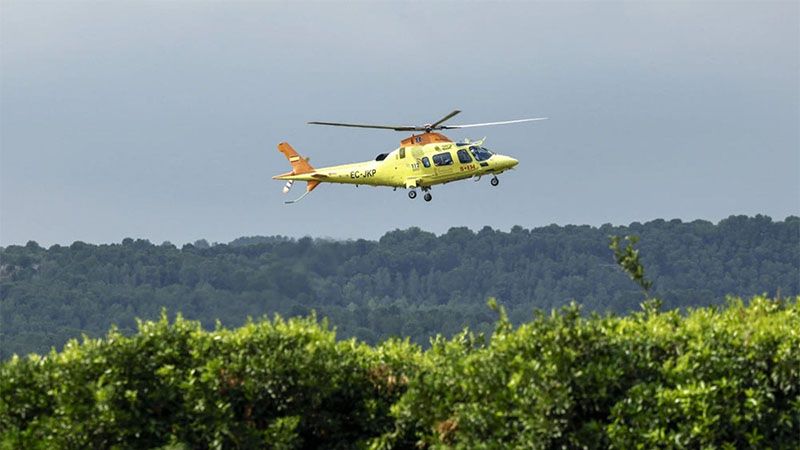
279,384
715,377
409,283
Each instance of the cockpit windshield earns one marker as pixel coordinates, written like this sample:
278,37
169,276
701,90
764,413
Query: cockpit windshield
480,153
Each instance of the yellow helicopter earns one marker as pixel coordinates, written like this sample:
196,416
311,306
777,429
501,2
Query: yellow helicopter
421,161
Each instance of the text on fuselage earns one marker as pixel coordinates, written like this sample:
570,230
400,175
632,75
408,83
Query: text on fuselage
363,173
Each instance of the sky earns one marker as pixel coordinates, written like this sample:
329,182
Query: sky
159,120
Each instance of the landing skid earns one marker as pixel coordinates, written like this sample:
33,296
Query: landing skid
288,202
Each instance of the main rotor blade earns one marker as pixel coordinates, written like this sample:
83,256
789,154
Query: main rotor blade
443,119
449,127
361,125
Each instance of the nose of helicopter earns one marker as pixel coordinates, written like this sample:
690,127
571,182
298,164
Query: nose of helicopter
509,162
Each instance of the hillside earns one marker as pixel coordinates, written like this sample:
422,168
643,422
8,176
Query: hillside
409,283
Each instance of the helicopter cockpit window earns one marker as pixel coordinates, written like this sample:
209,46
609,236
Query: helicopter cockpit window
443,159
480,153
426,162
463,157
381,157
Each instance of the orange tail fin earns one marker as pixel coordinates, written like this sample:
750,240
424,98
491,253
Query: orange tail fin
299,164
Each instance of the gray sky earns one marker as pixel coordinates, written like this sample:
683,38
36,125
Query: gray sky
159,120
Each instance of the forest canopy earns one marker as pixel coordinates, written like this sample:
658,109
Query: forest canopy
408,283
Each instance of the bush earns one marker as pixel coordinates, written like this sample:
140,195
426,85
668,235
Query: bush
713,377
727,378
276,384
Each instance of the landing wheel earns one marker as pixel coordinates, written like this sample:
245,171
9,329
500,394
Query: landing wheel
495,181
428,197
412,194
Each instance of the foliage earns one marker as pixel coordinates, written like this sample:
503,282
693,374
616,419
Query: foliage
409,283
628,259
715,377
277,384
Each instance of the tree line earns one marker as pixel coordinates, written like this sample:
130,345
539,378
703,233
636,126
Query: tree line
408,283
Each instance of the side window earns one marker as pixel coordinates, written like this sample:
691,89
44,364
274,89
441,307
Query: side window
463,157
402,152
426,162
443,159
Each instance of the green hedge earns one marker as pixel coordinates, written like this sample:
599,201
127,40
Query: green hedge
709,378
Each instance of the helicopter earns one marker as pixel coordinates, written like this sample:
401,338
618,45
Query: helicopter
422,161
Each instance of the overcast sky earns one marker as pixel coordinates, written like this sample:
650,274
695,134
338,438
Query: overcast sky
160,120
